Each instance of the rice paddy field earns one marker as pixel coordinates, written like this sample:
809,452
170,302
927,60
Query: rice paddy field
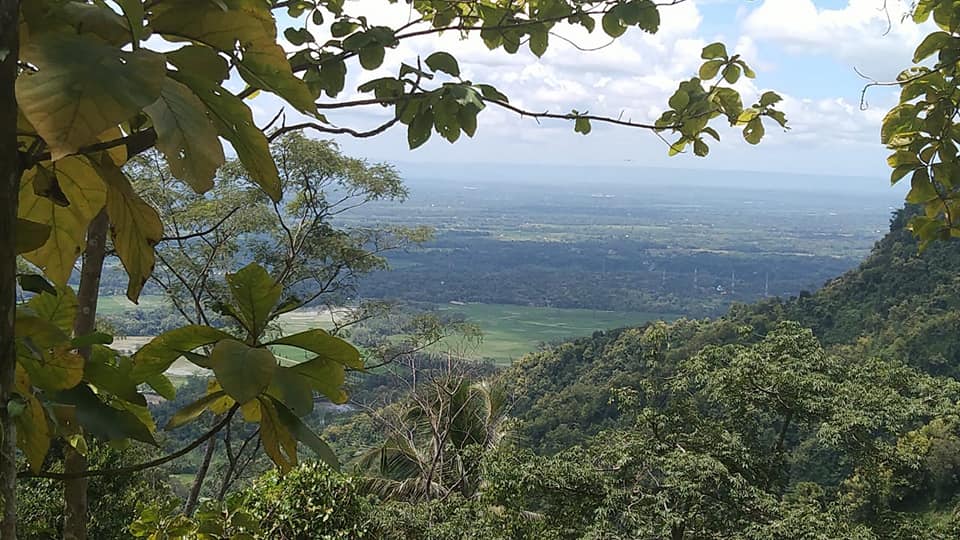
510,331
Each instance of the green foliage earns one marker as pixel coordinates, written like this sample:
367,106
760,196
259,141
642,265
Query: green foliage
921,129
245,370
113,499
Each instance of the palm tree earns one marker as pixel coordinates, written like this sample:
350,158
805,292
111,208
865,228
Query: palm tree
437,440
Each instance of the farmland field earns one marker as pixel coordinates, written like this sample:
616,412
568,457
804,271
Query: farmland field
511,331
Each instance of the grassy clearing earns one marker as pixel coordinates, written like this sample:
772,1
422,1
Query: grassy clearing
511,331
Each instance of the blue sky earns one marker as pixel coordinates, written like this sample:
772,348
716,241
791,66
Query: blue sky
807,50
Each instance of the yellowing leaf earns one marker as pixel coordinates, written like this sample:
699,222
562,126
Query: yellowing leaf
186,136
134,226
246,24
21,381
60,309
83,87
192,411
278,442
68,225
57,369
33,433
251,411
223,404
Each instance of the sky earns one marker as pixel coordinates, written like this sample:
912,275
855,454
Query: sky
808,51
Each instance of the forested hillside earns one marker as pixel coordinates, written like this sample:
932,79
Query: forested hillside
900,304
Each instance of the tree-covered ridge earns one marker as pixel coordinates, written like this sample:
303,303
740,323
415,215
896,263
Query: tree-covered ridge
899,305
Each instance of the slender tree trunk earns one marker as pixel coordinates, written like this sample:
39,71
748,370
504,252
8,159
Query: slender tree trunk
191,505
75,490
10,172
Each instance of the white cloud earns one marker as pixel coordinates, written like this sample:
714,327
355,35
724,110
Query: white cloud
633,78
862,34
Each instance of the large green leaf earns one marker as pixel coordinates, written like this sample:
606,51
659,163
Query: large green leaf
162,385
110,373
102,420
83,86
60,309
186,135
304,434
325,346
255,294
325,376
44,352
201,61
155,357
234,122
244,372
293,390
83,187
135,228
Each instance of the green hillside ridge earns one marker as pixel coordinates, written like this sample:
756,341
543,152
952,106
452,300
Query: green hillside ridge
899,304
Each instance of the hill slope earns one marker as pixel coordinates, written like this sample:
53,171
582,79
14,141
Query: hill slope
898,304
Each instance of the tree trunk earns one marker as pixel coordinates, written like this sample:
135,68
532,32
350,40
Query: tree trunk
10,172
75,490
191,505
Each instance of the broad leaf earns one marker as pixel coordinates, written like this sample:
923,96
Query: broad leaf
244,372
135,228
324,376
445,62
60,309
33,432
201,61
102,420
30,235
293,390
234,122
304,434
249,25
156,356
163,386
255,294
325,346
110,372
186,136
278,442
68,225
83,87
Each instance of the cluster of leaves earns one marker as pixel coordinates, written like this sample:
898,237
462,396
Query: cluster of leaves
921,129
692,106
248,376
